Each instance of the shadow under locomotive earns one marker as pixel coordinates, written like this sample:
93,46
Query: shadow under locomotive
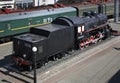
7,67
115,78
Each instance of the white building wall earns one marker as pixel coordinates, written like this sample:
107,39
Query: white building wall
35,3
50,1
44,2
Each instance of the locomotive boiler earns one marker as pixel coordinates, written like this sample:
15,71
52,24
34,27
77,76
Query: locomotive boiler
62,34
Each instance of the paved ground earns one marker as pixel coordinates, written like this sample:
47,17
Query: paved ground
97,65
115,26
5,49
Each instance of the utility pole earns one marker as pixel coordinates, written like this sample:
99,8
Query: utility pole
116,10
34,49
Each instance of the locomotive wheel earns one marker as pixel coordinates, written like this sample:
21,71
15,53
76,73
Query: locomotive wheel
81,46
29,67
60,56
45,63
87,43
55,58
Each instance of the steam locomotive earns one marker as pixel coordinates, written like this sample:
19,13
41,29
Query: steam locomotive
62,34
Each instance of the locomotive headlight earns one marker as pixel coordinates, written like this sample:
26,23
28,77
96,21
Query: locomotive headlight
24,55
34,49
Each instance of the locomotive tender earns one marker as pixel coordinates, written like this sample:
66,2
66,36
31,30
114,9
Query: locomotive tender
62,34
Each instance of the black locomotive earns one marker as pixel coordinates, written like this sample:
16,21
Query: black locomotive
62,34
